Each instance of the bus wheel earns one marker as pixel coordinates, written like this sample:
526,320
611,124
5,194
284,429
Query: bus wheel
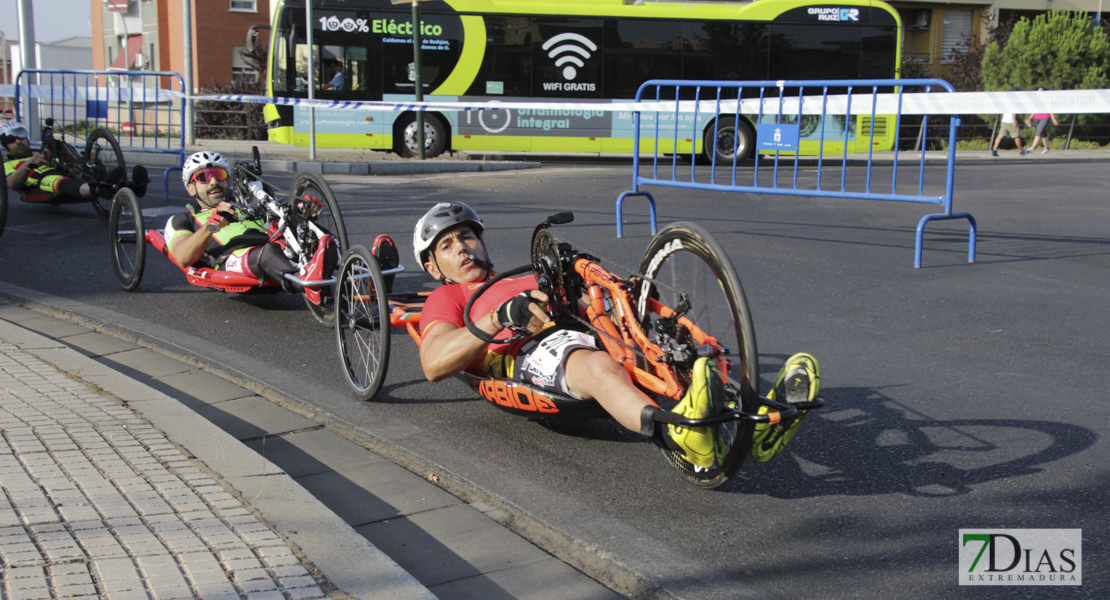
435,137
731,138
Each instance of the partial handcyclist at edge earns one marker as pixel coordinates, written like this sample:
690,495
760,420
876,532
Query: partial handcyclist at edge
57,173
565,337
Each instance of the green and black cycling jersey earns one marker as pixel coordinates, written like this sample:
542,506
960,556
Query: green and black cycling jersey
236,235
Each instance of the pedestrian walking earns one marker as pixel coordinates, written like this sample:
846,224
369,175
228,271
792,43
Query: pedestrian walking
1041,119
1009,128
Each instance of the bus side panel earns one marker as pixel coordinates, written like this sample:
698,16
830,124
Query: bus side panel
345,128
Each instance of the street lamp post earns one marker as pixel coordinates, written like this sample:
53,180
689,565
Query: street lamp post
419,81
311,82
125,49
418,76
26,17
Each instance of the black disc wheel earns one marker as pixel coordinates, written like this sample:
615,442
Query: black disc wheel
362,322
687,267
128,239
102,155
435,137
311,189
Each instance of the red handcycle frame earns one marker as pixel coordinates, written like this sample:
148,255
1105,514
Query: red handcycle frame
126,231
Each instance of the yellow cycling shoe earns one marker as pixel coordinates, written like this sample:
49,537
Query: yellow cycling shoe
704,398
797,381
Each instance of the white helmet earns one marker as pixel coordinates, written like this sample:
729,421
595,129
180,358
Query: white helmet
438,219
202,160
13,129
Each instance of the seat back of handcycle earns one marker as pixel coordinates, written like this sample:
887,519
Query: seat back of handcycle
207,277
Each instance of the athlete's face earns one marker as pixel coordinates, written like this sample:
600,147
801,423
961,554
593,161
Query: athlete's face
19,148
452,260
208,191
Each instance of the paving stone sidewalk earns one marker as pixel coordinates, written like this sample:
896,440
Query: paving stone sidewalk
96,501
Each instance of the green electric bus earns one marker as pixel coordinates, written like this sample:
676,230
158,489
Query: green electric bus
564,51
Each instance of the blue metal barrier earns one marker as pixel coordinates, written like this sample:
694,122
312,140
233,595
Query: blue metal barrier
143,109
715,122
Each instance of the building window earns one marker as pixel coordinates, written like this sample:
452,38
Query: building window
240,69
244,5
957,32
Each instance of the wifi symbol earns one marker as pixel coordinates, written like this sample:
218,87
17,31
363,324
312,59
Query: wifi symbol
564,53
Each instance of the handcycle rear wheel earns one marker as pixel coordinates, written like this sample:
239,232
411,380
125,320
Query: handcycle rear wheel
128,239
362,326
330,220
684,258
102,155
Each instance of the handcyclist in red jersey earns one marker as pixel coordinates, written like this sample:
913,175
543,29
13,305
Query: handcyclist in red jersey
448,243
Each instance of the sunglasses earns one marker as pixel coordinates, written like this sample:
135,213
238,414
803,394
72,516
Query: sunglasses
210,174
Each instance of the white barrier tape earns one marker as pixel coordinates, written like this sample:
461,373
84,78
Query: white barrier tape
135,95
937,103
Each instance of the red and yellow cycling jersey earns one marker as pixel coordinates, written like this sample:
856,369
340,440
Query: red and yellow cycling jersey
42,180
446,304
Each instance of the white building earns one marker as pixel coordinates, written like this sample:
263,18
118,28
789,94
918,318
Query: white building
70,54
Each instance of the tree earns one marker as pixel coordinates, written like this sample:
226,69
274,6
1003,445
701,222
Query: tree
1057,50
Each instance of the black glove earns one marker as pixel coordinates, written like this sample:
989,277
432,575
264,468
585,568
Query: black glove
213,223
514,313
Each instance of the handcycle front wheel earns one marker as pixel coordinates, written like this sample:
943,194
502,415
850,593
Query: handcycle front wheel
685,260
101,156
362,327
128,239
309,187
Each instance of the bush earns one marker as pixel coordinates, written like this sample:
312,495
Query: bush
234,120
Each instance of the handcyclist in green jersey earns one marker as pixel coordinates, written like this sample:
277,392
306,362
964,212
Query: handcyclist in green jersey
213,234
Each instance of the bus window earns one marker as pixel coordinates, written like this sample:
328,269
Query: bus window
339,71
638,50
331,70
877,48
724,50
280,70
813,52
508,62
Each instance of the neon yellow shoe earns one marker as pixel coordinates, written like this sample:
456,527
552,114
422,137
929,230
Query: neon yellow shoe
798,381
704,398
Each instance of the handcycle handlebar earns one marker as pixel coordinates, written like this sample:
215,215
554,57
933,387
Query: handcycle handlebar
519,333
474,329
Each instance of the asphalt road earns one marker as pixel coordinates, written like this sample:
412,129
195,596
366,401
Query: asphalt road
959,395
